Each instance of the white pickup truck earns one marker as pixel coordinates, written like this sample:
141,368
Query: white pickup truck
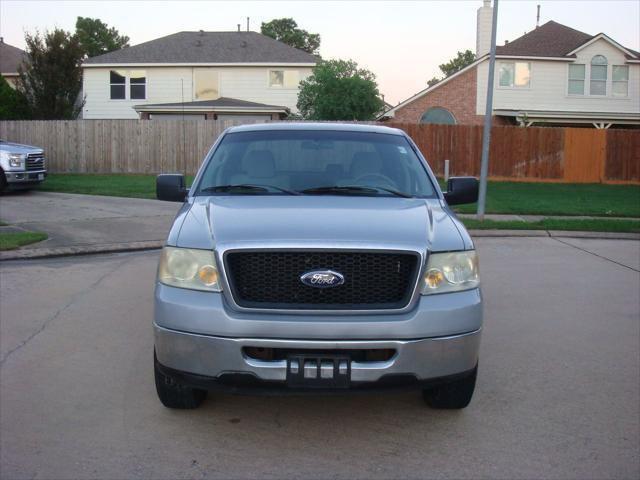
21,166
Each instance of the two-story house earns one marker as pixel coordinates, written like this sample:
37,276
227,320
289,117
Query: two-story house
213,75
553,75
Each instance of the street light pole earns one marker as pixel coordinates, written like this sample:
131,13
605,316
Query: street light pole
486,134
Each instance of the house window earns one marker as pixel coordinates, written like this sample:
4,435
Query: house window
135,80
515,74
276,78
438,115
620,77
576,79
598,85
118,80
206,83
137,85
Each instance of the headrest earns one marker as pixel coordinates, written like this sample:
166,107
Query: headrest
259,164
365,162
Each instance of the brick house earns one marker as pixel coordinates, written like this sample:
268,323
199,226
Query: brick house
553,75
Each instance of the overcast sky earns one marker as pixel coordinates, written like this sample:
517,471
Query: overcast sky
402,42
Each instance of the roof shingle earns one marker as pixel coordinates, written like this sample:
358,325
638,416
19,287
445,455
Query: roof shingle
549,40
207,47
10,58
219,102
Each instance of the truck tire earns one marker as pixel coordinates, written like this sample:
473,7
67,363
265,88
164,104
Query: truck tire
174,395
3,182
452,395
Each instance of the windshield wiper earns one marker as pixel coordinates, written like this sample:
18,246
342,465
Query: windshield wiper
347,189
247,188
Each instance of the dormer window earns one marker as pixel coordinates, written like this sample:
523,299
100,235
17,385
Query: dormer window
598,85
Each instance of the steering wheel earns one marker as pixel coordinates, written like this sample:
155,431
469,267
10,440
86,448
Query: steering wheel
376,176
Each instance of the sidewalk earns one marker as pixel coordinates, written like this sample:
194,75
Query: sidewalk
83,224
536,218
86,223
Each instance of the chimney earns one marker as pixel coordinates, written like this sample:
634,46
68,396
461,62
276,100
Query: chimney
538,17
238,27
483,29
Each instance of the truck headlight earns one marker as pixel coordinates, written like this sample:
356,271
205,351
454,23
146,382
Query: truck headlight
15,159
189,268
451,272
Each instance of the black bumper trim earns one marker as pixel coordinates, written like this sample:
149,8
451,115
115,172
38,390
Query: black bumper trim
245,383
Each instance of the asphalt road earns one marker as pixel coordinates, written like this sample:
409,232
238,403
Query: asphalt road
557,396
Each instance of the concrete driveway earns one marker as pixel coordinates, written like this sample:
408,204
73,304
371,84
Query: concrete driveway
557,397
73,220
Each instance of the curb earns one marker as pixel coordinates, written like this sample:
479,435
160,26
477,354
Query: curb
554,234
30,253
33,253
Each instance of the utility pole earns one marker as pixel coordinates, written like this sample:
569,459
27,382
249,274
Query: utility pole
486,134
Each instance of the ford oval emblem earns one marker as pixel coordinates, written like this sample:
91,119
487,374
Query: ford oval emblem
322,279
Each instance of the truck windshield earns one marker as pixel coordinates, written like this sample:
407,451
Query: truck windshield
315,162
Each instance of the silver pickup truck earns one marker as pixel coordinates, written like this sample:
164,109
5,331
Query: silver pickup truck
316,258
21,166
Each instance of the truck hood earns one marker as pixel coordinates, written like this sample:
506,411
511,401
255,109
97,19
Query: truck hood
18,148
224,222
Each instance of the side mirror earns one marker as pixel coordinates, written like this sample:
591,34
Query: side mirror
461,190
170,187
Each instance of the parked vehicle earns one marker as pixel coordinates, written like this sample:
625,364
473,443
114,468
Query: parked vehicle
316,257
21,166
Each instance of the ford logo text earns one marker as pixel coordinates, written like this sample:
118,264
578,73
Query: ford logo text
322,279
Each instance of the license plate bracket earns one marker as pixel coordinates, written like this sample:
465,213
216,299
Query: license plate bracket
318,371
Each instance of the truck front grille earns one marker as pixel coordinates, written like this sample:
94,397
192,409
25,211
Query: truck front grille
35,161
271,279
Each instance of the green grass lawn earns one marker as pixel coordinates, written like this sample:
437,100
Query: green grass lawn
560,199
583,225
138,186
502,197
13,240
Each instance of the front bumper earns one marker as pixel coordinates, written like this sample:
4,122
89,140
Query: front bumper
219,358
31,177
197,334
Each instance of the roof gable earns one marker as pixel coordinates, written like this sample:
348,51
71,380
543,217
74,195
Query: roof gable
554,40
207,47
601,36
549,40
10,58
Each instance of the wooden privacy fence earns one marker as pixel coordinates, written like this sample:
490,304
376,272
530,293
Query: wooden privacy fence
527,154
572,155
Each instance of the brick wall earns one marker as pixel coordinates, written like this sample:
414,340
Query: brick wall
457,95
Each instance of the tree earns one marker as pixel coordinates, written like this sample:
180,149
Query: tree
13,104
96,37
51,77
286,30
433,81
454,65
339,90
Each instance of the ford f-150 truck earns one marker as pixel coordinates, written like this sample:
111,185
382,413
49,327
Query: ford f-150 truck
21,166
316,258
